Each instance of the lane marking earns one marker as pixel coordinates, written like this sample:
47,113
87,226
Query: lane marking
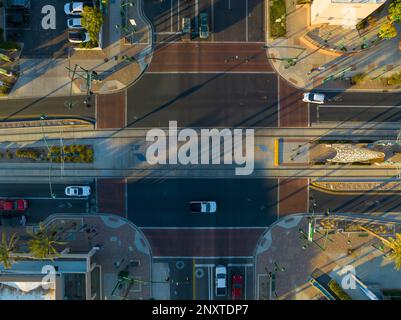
229,4
240,265
210,72
203,228
203,257
41,198
348,106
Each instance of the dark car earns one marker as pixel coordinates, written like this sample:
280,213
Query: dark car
78,36
19,4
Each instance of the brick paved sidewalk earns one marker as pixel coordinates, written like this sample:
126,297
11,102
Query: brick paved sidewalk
120,243
282,251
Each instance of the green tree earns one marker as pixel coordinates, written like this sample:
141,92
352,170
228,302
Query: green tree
92,20
44,242
387,30
393,244
6,250
395,254
394,11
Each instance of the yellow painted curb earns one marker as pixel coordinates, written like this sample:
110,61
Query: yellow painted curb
315,186
276,152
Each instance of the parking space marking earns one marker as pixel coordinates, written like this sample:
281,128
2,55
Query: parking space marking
240,265
171,15
178,15
210,278
246,21
196,13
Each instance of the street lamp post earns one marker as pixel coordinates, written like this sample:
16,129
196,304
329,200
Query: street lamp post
42,118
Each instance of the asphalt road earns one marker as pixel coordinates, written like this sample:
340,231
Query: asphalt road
366,114
357,107
180,275
40,202
363,203
165,203
203,100
40,42
32,109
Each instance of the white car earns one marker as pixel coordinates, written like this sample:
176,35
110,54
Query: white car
78,191
74,8
314,97
78,36
221,280
203,206
74,23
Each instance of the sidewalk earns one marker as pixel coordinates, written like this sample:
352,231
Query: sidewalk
120,242
50,77
320,46
282,251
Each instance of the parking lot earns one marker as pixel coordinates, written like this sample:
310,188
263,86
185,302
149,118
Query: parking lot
205,287
229,20
39,42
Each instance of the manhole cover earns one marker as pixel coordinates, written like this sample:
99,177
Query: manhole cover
180,265
199,273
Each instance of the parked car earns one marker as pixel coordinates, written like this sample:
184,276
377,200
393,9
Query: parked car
186,25
78,36
78,191
74,8
236,287
221,280
203,26
13,205
74,23
314,97
19,4
202,206
17,19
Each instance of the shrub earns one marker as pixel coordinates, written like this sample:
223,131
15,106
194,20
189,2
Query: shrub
27,153
358,78
9,154
9,45
92,20
338,291
278,13
395,79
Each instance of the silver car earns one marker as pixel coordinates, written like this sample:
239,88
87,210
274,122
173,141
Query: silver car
314,97
78,191
74,8
203,206
74,23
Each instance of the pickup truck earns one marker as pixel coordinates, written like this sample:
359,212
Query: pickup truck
13,205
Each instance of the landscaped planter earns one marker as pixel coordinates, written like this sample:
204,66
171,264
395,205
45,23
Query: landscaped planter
68,154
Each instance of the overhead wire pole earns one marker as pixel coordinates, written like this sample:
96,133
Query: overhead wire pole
86,75
42,118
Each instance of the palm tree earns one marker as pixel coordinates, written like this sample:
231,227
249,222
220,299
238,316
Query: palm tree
6,250
393,244
43,243
395,254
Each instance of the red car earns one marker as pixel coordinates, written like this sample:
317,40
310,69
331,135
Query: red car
13,205
236,287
